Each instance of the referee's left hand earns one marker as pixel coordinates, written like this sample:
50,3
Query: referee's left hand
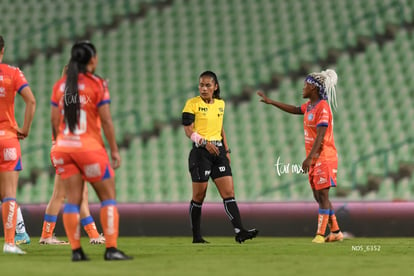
212,149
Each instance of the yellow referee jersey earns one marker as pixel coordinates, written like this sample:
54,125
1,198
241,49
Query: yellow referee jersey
208,117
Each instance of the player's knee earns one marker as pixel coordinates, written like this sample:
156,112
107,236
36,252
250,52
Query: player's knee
199,196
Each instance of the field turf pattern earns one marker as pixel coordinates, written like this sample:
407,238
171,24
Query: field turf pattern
223,256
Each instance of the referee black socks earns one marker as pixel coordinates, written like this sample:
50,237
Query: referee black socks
195,219
232,211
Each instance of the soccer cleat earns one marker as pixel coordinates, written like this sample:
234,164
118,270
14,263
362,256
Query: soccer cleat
246,235
21,238
98,240
318,239
333,237
113,254
199,240
52,241
9,248
79,256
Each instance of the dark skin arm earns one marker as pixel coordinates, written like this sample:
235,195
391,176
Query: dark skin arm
285,107
317,145
109,132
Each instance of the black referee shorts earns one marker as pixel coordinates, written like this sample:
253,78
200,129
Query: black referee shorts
203,164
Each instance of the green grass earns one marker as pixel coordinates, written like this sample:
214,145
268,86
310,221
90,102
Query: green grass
223,256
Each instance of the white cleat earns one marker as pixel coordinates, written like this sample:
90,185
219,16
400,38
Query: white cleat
10,248
52,241
98,240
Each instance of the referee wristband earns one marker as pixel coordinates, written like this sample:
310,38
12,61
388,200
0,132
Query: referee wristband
228,150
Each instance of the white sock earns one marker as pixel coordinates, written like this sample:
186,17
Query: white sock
20,227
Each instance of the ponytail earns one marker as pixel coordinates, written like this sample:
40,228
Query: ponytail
81,53
72,102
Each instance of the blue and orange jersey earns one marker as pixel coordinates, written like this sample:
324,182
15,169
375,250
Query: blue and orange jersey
12,81
316,116
93,93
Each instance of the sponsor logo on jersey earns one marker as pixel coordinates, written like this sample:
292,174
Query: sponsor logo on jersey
92,170
10,154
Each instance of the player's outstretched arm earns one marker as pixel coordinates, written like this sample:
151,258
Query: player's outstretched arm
285,107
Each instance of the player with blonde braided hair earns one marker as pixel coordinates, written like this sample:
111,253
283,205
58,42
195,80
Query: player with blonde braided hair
321,160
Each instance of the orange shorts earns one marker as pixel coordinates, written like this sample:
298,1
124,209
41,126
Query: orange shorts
92,165
10,155
322,175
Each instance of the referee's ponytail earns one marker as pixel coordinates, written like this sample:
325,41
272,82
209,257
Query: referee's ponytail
216,94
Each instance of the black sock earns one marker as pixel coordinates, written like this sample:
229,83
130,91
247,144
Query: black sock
232,211
195,218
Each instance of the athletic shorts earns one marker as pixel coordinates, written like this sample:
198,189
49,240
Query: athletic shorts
203,165
92,165
322,175
10,155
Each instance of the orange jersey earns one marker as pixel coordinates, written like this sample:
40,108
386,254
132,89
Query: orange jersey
93,92
12,81
317,116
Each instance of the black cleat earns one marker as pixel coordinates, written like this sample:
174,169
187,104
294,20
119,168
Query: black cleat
113,254
246,235
78,255
199,240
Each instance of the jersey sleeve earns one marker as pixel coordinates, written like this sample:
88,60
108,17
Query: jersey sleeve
104,97
188,115
322,116
189,107
20,80
54,101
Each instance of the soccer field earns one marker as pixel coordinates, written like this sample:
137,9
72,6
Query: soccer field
223,256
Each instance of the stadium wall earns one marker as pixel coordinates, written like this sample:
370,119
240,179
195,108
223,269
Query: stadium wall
362,219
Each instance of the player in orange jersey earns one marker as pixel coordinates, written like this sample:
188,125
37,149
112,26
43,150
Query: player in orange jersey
12,81
79,154
321,160
53,208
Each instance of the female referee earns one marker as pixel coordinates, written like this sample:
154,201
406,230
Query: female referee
321,162
202,118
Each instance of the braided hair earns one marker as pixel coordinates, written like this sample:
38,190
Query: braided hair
81,54
325,81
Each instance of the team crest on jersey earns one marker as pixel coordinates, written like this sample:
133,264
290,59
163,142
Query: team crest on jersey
310,116
2,92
